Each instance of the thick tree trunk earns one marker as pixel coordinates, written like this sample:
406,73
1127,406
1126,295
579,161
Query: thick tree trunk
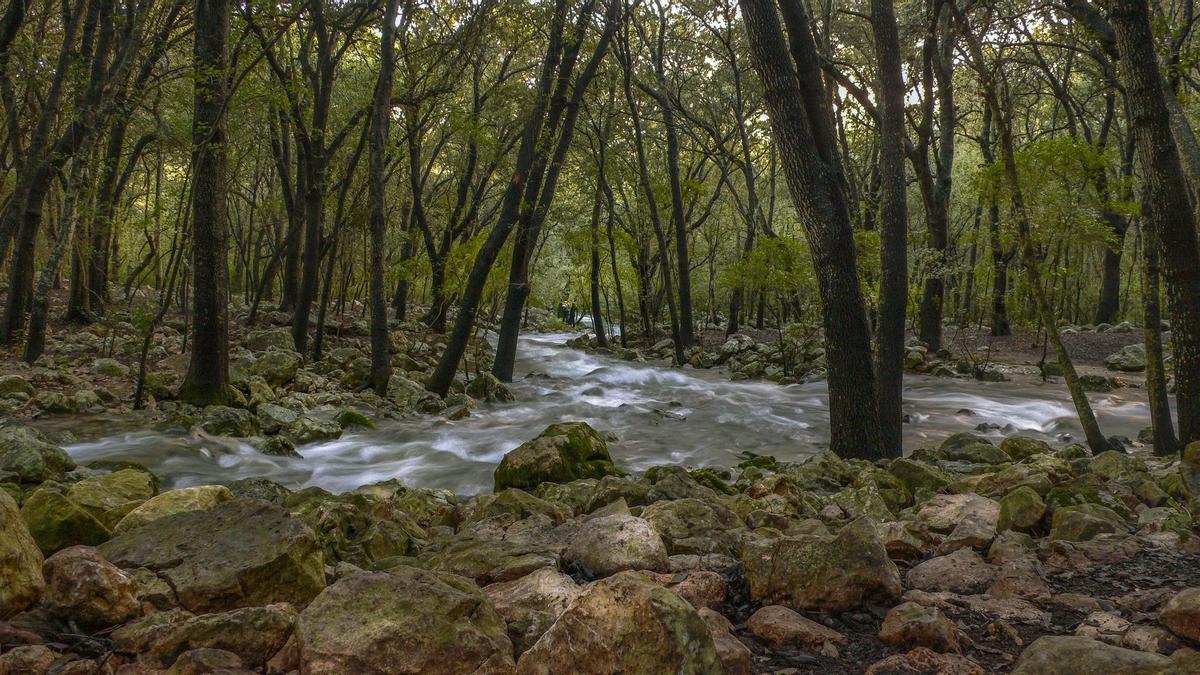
893,283
381,357
207,379
1167,207
803,135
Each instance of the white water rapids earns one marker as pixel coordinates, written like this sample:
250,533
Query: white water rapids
659,415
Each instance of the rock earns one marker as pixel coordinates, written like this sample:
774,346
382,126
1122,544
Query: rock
82,586
1189,468
486,387
1128,359
236,554
253,634
1023,447
347,419
272,338
923,660
1083,522
1054,655
21,581
26,453
625,623
109,368
109,497
15,387
943,513
962,572
222,420
419,622
27,660
531,604
971,448
207,660
277,366
309,429
56,522
694,526
822,573
1181,614
918,475
975,530
701,588
1020,577
1113,465
606,545
195,498
781,626
279,446
562,453
489,561
273,418
1020,509
910,624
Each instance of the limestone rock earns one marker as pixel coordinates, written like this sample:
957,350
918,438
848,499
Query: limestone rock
562,453
84,587
1054,655
625,623
606,545
822,573
779,625
56,522
195,498
26,453
408,621
910,624
21,582
236,554
694,526
1020,509
962,572
1181,614
1083,522
531,604
254,634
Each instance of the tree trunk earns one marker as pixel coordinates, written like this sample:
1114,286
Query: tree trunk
207,379
381,358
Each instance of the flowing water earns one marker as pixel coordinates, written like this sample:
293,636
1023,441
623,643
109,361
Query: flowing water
658,414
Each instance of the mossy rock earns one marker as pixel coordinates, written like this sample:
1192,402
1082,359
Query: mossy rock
1020,509
347,419
110,497
56,522
1023,447
1085,522
916,475
31,457
1114,465
562,453
195,498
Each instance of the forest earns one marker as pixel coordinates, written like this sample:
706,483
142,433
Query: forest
599,336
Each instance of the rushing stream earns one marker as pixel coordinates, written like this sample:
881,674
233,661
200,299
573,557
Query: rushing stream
659,415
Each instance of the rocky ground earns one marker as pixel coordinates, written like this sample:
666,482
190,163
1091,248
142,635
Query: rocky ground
964,558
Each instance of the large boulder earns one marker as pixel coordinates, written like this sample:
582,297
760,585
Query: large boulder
531,604
812,572
26,453
625,623
1057,654
971,448
1020,509
222,420
277,366
254,634
271,338
609,544
195,498
83,587
236,554
109,497
21,581
1128,359
562,453
695,526
405,621
1084,522
56,521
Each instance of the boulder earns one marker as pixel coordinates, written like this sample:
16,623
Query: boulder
781,626
83,587
21,581
236,554
924,660
1054,655
109,497
222,420
109,368
625,623
943,513
195,498
27,660
486,387
406,621
812,572
1023,447
963,572
1021,509
531,604
310,429
971,448
273,418
15,387
1181,614
56,522
26,453
562,453
271,338
918,475
694,526
277,366
910,624
253,634
488,561
1084,522
606,545
1128,359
